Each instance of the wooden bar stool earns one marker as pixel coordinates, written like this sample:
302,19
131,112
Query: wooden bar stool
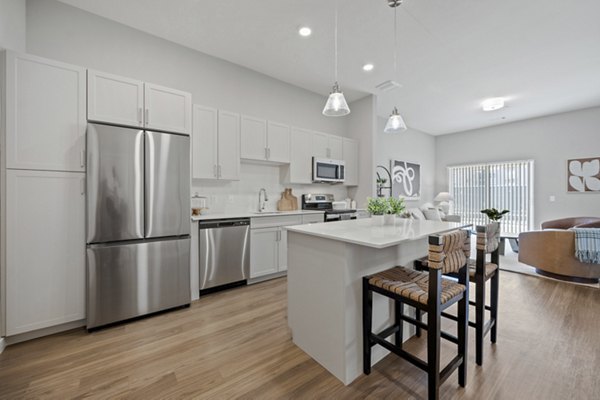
480,271
429,292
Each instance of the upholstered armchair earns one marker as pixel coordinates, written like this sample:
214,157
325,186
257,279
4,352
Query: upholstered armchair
552,250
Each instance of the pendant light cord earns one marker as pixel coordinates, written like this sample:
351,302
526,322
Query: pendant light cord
335,35
395,43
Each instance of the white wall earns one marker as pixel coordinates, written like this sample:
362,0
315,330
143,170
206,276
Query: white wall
549,141
413,146
12,25
68,34
361,125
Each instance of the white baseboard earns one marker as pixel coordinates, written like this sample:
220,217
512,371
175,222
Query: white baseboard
22,337
2,345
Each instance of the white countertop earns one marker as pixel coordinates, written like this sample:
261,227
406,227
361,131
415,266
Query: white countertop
252,214
364,233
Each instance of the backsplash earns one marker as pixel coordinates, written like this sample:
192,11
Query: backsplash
242,195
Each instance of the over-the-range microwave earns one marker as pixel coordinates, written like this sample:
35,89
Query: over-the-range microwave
328,171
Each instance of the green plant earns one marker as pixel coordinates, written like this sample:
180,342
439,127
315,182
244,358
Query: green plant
377,205
494,214
396,206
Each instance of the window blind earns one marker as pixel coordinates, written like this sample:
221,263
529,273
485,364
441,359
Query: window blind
505,185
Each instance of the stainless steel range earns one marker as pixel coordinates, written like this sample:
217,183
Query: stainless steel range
324,202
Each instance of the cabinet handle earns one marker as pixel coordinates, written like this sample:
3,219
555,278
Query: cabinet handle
82,186
82,158
147,116
140,116
219,171
215,171
268,153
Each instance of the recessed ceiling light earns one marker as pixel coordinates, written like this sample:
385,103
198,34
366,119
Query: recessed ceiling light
305,31
493,104
368,67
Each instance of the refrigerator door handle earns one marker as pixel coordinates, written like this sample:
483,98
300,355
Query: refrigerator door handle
140,116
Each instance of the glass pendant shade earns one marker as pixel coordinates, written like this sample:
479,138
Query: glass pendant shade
336,105
395,123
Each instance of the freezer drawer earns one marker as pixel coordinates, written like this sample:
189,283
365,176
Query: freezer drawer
167,185
126,281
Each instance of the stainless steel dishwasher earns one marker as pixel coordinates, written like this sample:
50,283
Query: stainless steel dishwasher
224,253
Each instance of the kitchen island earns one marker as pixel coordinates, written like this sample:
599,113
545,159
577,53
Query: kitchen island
326,263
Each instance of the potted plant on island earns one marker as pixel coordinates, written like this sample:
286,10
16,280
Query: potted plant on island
377,207
396,207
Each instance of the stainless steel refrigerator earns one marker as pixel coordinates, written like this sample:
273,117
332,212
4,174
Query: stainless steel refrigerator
138,223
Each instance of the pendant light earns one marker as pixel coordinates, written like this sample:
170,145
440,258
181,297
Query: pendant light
395,123
336,105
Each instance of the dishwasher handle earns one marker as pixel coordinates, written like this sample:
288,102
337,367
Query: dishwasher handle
224,223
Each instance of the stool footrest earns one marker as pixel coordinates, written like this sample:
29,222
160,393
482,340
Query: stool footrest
422,325
417,362
449,369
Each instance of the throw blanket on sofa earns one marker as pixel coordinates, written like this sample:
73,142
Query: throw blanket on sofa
587,245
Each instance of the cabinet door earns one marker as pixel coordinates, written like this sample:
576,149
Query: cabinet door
320,144
45,114
204,143
264,254
45,249
114,99
167,109
351,159
254,138
278,142
282,241
300,156
229,146
335,148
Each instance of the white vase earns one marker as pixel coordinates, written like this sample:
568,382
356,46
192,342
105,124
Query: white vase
389,219
377,220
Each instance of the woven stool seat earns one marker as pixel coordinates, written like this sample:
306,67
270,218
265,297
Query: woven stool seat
414,285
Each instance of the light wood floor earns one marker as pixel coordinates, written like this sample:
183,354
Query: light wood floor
237,345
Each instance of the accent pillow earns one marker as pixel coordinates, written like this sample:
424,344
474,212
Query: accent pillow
416,214
432,214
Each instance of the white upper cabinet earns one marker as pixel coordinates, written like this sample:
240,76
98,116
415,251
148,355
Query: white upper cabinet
335,147
278,142
114,99
300,170
45,249
45,114
215,144
320,144
264,140
350,154
204,143
254,138
167,109
229,145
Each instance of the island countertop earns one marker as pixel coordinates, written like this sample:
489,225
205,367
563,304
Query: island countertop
364,233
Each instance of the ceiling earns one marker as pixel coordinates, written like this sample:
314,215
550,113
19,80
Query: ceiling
543,56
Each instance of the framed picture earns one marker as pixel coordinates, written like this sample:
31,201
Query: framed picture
406,179
583,175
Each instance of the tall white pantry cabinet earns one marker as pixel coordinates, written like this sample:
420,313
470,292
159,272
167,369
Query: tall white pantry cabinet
43,193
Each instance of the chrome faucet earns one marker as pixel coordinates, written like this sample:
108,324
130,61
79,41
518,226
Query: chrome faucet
261,203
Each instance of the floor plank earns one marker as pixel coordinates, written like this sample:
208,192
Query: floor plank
236,344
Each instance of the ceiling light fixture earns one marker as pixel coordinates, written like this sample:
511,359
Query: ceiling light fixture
395,123
493,104
305,31
368,67
336,105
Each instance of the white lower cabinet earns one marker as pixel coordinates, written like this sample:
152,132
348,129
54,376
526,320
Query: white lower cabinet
45,249
264,251
268,243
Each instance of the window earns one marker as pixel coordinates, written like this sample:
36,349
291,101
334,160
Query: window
505,185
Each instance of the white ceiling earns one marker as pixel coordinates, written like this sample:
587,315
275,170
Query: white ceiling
542,55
